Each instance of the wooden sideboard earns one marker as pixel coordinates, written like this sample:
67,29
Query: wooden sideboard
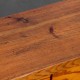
40,38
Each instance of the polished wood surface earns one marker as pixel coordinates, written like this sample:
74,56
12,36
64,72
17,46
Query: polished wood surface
38,38
69,70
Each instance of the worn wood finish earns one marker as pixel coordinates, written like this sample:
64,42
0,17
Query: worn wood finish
69,70
38,38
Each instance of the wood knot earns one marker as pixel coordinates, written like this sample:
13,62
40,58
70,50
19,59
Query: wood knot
22,20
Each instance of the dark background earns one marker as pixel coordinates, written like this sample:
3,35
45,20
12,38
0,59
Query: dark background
8,7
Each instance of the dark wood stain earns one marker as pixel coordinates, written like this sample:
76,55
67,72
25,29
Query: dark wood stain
51,77
9,17
24,20
20,19
51,30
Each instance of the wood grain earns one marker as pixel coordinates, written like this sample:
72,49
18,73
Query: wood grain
27,45
69,70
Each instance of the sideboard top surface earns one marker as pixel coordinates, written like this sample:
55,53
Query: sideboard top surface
38,38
